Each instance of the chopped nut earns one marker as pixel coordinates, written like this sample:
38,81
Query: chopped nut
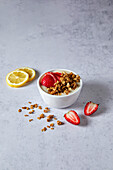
40,107
42,115
52,128
31,106
26,115
59,122
39,118
27,108
48,126
19,110
52,124
23,107
36,105
30,120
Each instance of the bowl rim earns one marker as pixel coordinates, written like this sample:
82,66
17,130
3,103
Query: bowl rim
58,96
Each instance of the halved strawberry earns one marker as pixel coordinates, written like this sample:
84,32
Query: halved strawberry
72,117
47,81
51,74
90,108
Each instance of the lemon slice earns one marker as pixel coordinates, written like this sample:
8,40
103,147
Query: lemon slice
29,71
17,78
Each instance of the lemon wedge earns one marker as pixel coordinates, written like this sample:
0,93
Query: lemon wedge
17,78
29,71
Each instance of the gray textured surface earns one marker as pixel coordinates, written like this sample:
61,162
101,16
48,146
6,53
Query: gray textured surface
72,34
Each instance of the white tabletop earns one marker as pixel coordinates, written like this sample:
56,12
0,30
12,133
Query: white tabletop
51,34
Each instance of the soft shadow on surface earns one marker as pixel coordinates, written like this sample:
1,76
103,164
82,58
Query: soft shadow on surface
84,120
95,92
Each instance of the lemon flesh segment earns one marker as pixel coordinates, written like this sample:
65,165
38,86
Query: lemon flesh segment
29,71
17,78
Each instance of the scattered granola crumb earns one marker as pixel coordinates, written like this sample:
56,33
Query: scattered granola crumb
48,120
39,118
42,115
36,105
48,126
27,108
19,110
45,111
23,107
44,128
30,112
59,122
40,107
46,108
30,120
52,128
52,124
55,118
29,102
31,106
26,115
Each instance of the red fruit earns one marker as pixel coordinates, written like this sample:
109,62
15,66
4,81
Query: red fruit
90,108
47,81
57,73
52,75
72,117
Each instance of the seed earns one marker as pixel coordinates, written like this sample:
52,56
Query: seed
19,110
48,126
30,120
52,128
23,107
40,107
52,124
26,115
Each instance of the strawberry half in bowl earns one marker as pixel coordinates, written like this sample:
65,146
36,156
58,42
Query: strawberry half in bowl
59,88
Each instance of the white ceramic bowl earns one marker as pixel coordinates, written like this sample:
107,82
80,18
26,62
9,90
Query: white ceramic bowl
57,101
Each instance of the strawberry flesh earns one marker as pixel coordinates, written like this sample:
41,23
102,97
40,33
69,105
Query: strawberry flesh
47,81
90,108
50,79
72,117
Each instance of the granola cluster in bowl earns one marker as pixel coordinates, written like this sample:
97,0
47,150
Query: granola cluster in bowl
59,88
